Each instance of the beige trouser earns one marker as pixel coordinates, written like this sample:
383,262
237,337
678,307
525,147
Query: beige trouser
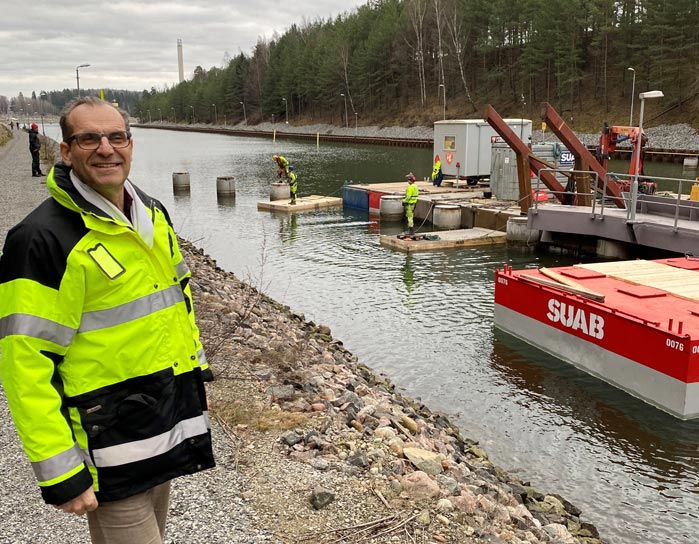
135,520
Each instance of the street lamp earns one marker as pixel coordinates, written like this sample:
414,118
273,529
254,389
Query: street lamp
244,114
634,187
192,114
633,90
286,110
346,121
161,115
444,97
42,99
77,75
215,114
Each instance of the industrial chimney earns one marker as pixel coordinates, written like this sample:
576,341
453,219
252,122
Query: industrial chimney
180,64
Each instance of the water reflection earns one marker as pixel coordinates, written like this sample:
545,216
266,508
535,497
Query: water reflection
656,453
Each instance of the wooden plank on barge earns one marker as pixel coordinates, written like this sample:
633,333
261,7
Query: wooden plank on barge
313,202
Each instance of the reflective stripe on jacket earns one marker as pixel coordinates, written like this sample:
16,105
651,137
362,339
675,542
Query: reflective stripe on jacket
99,353
411,194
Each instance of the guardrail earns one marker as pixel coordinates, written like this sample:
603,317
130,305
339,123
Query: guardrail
668,204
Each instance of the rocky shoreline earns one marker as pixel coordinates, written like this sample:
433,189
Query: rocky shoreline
311,445
329,452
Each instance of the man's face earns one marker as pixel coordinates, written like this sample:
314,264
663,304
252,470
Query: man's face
104,169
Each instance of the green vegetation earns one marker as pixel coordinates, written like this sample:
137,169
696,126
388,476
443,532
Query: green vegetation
389,58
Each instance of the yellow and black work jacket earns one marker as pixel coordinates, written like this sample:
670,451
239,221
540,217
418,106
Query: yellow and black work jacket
99,353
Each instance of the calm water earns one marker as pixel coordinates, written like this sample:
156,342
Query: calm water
426,320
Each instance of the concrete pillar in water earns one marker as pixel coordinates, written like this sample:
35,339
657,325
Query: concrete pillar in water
180,181
391,208
518,232
280,191
446,216
225,185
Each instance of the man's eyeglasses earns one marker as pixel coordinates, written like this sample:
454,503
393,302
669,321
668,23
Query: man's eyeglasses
92,140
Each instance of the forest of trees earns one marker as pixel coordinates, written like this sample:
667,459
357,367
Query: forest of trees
404,61
391,57
52,102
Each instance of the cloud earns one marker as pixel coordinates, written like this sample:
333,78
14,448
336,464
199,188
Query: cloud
133,45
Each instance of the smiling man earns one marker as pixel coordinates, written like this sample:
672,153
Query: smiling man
100,355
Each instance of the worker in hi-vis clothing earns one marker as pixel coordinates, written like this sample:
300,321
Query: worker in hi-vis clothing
437,174
282,165
293,184
410,200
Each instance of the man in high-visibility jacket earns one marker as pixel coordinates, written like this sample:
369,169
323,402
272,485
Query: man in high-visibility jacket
282,165
437,174
100,355
409,202
293,184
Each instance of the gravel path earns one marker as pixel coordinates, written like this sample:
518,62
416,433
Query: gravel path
205,508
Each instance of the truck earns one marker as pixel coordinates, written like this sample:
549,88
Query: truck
464,146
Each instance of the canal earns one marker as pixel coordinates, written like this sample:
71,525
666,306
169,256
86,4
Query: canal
426,321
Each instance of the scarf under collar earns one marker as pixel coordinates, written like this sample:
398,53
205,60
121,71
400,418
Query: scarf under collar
140,219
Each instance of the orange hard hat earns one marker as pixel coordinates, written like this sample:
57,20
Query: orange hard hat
436,158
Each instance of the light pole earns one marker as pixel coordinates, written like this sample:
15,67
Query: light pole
286,110
192,114
444,99
42,98
161,115
346,121
633,90
215,114
244,114
77,75
634,187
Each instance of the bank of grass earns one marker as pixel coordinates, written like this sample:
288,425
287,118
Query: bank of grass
5,135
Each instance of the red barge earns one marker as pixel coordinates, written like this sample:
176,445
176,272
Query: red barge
634,324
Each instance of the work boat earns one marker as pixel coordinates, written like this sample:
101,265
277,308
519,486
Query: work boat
634,324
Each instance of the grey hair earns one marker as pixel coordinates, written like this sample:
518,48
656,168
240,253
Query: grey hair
67,130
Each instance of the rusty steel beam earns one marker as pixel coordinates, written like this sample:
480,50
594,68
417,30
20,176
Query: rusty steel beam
582,155
525,161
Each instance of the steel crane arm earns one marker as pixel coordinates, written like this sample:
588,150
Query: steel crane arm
524,154
581,153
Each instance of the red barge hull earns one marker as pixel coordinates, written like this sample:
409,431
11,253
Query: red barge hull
643,338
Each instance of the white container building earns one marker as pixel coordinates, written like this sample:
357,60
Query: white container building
464,145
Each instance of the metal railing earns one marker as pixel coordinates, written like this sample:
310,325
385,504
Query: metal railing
651,204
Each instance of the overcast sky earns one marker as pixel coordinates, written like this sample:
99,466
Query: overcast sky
133,44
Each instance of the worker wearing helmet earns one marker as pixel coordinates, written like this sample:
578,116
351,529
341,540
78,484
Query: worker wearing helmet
437,174
410,200
293,184
34,148
282,164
